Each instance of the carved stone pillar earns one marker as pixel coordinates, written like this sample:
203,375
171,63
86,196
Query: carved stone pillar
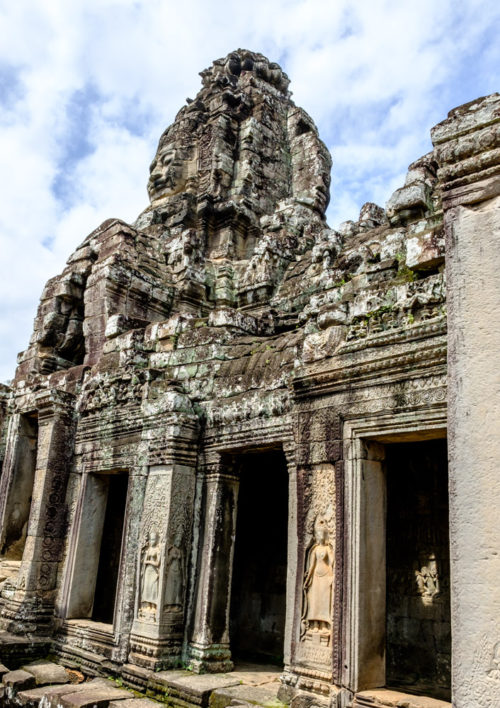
31,606
158,627
309,668
467,145
315,551
169,446
209,646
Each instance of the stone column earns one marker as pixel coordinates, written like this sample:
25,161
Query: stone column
169,448
209,646
467,146
31,607
158,628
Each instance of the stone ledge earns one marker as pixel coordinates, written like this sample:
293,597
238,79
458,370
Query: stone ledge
266,695
385,698
256,685
185,687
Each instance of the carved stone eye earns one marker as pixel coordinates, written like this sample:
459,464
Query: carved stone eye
167,158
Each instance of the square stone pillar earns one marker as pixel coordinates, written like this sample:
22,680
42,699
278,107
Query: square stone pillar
165,537
467,146
315,553
31,607
209,647
169,451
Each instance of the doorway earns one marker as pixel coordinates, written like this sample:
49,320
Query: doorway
258,598
418,629
110,554
18,505
97,547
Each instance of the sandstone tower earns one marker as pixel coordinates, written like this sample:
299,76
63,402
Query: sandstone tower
227,438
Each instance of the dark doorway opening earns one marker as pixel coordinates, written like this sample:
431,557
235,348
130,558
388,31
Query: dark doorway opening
418,636
110,552
21,490
258,600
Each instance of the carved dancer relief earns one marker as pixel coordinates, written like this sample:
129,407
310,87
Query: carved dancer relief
317,613
150,575
174,584
427,579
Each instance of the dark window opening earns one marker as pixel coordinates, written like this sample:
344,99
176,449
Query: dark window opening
418,639
258,601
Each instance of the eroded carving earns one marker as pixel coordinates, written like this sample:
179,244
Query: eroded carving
318,584
494,671
427,580
150,577
174,582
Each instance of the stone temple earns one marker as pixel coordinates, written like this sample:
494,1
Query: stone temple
238,437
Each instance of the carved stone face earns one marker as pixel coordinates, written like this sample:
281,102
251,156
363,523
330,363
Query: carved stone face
321,192
311,178
321,531
167,173
153,538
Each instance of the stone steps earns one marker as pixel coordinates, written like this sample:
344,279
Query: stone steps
44,684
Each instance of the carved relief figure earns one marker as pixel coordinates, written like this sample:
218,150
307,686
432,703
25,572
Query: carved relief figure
150,575
316,616
494,672
427,579
174,585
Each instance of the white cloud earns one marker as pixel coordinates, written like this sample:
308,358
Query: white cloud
375,76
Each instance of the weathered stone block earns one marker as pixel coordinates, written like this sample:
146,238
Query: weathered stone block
252,695
15,681
46,672
95,698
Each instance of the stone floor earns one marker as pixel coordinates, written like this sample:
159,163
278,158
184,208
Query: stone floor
45,684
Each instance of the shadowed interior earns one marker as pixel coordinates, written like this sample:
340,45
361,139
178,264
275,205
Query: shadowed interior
418,569
109,557
259,571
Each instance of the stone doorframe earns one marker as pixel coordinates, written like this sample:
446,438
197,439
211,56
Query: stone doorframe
365,505
81,566
209,642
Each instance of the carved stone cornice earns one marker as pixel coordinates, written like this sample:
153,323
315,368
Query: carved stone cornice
413,333
467,144
54,402
392,367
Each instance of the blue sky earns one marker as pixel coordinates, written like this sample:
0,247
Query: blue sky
87,87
